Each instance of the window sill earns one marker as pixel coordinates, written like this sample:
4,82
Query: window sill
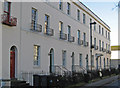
36,66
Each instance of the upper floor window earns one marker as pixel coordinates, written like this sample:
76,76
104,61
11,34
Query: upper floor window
94,27
78,14
60,5
99,29
102,31
69,30
106,34
100,45
95,42
34,19
78,34
61,27
106,46
90,20
47,22
84,38
7,7
68,8
84,18
36,55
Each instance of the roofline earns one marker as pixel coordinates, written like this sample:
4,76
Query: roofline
91,15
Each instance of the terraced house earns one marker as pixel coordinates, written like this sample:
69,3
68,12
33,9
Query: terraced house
47,38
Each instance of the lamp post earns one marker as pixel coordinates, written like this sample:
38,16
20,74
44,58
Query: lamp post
92,23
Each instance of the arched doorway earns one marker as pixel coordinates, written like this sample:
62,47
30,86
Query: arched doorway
13,57
51,70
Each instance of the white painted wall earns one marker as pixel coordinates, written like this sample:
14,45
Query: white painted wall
24,39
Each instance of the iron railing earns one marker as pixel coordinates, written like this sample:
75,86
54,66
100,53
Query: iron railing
36,27
78,68
63,36
9,20
49,31
80,42
71,38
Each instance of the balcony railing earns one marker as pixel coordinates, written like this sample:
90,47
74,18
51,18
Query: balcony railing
49,31
85,44
103,49
9,20
80,42
36,27
108,51
71,38
63,36
96,47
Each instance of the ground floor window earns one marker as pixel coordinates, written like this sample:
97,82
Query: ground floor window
64,58
36,55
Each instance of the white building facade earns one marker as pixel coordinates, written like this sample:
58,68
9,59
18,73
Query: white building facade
50,37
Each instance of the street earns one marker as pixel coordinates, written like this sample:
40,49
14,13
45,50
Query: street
114,84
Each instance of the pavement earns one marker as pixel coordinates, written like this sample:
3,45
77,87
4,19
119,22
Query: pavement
103,83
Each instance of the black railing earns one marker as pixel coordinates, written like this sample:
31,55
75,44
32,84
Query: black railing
49,31
71,38
9,20
36,27
80,42
63,36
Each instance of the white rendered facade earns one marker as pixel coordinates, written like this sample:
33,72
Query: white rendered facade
23,38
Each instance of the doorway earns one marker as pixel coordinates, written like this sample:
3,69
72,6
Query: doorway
13,57
51,60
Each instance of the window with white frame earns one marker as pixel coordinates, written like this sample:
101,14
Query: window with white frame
94,27
99,29
36,55
84,18
84,39
102,31
106,46
106,34
102,44
64,58
95,43
80,60
78,14
7,7
61,26
99,45
78,36
34,19
68,8
60,5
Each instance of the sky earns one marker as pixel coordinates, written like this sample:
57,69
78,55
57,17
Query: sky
108,12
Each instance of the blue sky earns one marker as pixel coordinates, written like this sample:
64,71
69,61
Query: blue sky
106,12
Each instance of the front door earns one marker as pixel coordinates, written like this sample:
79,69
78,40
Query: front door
51,61
12,64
